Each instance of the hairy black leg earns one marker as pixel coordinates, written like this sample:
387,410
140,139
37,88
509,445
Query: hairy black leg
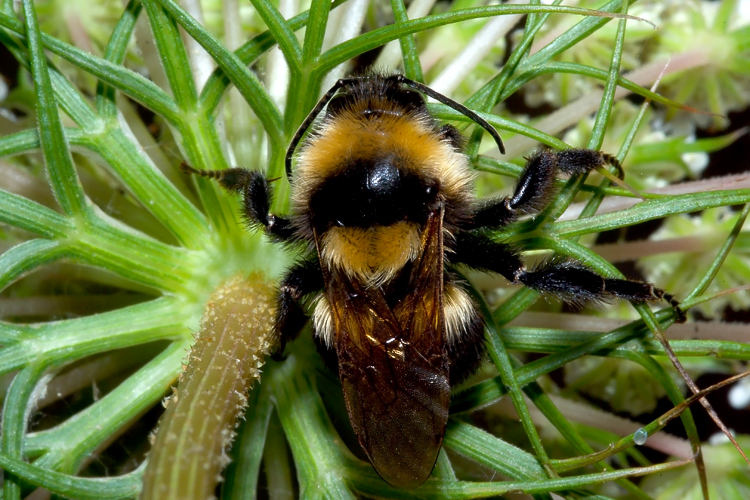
256,198
536,184
303,278
482,253
579,161
569,280
575,283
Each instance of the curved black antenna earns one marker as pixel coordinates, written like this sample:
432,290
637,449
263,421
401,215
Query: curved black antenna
343,82
421,87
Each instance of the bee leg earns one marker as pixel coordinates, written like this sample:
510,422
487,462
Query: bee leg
575,283
571,281
256,198
537,182
303,278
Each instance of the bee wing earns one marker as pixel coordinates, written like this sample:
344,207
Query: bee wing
393,365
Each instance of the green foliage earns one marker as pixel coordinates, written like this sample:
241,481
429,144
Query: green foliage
138,249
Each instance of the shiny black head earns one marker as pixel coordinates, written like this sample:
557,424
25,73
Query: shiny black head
372,192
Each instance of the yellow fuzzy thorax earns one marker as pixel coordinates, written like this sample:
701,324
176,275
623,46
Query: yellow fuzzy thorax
349,137
373,255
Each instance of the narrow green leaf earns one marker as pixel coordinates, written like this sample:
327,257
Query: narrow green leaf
59,163
500,357
409,52
242,475
11,333
248,53
443,112
610,86
69,98
16,409
33,217
489,391
19,142
284,35
315,32
555,67
115,53
138,173
467,490
649,210
511,308
571,37
674,393
313,440
125,157
443,468
129,82
135,256
65,341
28,256
304,87
489,95
73,441
237,72
173,56
721,256
545,340
545,405
377,37
492,452
111,488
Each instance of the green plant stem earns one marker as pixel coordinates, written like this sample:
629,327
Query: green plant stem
16,410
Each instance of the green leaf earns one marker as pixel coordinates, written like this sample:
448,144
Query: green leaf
492,452
649,210
244,79
113,488
26,257
33,217
15,416
59,163
73,441
173,55
129,82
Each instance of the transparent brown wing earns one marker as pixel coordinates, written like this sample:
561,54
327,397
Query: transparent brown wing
393,365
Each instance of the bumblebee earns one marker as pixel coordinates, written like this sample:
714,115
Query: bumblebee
382,198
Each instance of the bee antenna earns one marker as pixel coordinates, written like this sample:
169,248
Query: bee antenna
343,82
211,174
421,87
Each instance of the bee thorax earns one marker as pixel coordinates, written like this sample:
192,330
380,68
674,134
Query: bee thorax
373,255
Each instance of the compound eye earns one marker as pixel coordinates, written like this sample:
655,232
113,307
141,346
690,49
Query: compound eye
409,99
338,103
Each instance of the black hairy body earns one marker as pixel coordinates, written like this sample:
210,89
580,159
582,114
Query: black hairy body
382,198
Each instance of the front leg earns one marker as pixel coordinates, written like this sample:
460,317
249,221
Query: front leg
303,278
570,281
256,198
536,184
